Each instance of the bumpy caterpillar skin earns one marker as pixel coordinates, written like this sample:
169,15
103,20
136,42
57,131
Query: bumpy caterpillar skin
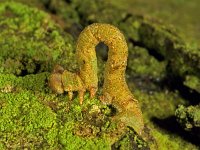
115,89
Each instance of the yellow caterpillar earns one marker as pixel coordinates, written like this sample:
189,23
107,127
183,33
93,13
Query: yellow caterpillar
115,89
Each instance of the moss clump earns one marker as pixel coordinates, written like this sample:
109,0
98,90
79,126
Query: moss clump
193,82
65,11
30,41
188,117
131,141
9,82
130,26
142,64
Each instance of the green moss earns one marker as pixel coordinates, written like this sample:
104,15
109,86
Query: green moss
157,103
158,37
164,141
130,27
35,116
98,12
166,45
77,13
183,58
10,83
30,41
22,115
25,121
35,3
32,119
143,64
65,11
71,141
31,116
154,107
35,83
188,117
193,82
187,24
131,141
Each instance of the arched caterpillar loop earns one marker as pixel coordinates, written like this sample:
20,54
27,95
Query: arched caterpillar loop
115,89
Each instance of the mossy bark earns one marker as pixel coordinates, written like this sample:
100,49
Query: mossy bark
31,43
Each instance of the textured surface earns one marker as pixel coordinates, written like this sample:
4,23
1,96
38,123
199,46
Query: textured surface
128,109
89,125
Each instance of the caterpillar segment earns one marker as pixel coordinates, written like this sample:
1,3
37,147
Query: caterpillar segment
115,89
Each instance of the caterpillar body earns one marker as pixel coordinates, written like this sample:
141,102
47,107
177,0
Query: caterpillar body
115,89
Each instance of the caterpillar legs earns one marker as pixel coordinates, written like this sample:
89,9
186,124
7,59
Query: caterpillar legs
92,91
81,94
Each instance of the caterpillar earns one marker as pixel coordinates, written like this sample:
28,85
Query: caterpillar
115,90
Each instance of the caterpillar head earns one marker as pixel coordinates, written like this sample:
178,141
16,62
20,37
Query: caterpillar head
55,80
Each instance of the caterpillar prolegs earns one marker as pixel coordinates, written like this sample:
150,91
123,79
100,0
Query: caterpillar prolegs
115,89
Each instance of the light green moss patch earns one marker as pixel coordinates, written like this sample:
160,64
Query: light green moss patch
25,122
